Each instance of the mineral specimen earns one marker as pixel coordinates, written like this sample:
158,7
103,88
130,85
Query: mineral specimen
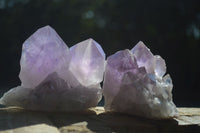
134,84
56,78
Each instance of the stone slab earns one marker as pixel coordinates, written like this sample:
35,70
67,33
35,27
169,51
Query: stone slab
94,120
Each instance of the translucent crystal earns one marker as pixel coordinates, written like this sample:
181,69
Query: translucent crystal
144,57
42,54
56,78
134,84
88,60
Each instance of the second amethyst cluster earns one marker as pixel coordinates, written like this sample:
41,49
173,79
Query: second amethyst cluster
134,84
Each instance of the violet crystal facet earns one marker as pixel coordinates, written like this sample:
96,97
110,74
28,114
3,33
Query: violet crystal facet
134,84
56,78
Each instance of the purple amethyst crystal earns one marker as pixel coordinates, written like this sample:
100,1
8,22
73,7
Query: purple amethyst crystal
134,84
56,78
42,54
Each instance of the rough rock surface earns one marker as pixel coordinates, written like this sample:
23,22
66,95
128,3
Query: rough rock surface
94,120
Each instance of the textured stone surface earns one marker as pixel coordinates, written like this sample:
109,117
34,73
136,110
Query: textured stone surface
94,120
55,77
134,84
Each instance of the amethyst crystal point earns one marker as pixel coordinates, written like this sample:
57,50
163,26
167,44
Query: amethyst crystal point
88,62
144,57
42,54
56,78
134,84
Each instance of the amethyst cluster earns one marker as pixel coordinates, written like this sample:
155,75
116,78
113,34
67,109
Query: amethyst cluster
134,84
57,78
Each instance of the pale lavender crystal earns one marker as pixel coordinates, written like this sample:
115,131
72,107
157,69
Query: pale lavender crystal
134,84
88,62
42,54
160,66
56,78
144,57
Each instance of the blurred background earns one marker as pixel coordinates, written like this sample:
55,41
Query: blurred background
170,28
